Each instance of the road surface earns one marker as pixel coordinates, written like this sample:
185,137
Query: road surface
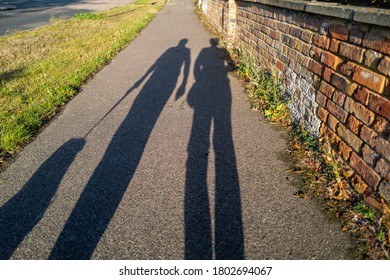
28,14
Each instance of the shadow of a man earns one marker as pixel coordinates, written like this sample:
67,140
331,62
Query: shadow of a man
211,99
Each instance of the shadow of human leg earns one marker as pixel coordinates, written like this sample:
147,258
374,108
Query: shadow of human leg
229,236
22,212
198,238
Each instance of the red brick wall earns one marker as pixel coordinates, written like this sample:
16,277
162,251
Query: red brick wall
337,73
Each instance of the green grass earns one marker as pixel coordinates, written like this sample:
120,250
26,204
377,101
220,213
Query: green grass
89,16
41,69
365,211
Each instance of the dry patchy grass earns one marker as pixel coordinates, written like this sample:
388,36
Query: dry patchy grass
42,68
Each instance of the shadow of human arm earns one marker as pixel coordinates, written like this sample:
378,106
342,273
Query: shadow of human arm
187,62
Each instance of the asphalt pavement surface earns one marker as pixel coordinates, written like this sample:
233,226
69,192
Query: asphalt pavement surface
160,157
18,15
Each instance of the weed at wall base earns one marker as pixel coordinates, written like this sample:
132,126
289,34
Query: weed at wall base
325,177
262,87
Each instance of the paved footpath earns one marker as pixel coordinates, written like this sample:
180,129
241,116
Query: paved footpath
160,157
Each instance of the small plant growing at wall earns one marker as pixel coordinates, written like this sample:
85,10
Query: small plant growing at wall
263,88
321,172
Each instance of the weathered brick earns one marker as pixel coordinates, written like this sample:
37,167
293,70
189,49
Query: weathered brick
347,68
327,89
372,41
386,90
352,52
381,125
307,36
323,129
383,148
344,150
379,104
295,31
340,82
339,32
351,88
339,98
376,42
369,136
321,99
278,46
280,65
316,81
268,40
358,184
334,45
337,111
322,114
384,190
272,23
332,122
321,41
362,95
285,28
383,168
300,58
316,67
369,156
356,35
384,66
369,79
332,138
350,138
372,58
367,173
354,124
293,54
306,62
331,60
328,74
313,24
359,111
375,203
275,34
316,53
305,49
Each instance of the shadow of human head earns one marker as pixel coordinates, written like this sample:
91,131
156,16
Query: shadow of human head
183,43
214,42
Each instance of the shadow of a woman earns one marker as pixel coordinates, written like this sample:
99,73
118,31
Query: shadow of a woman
211,99
23,211
109,181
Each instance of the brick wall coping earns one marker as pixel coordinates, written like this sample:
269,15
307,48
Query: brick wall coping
375,16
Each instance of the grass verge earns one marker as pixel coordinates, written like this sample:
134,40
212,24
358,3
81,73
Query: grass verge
41,69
